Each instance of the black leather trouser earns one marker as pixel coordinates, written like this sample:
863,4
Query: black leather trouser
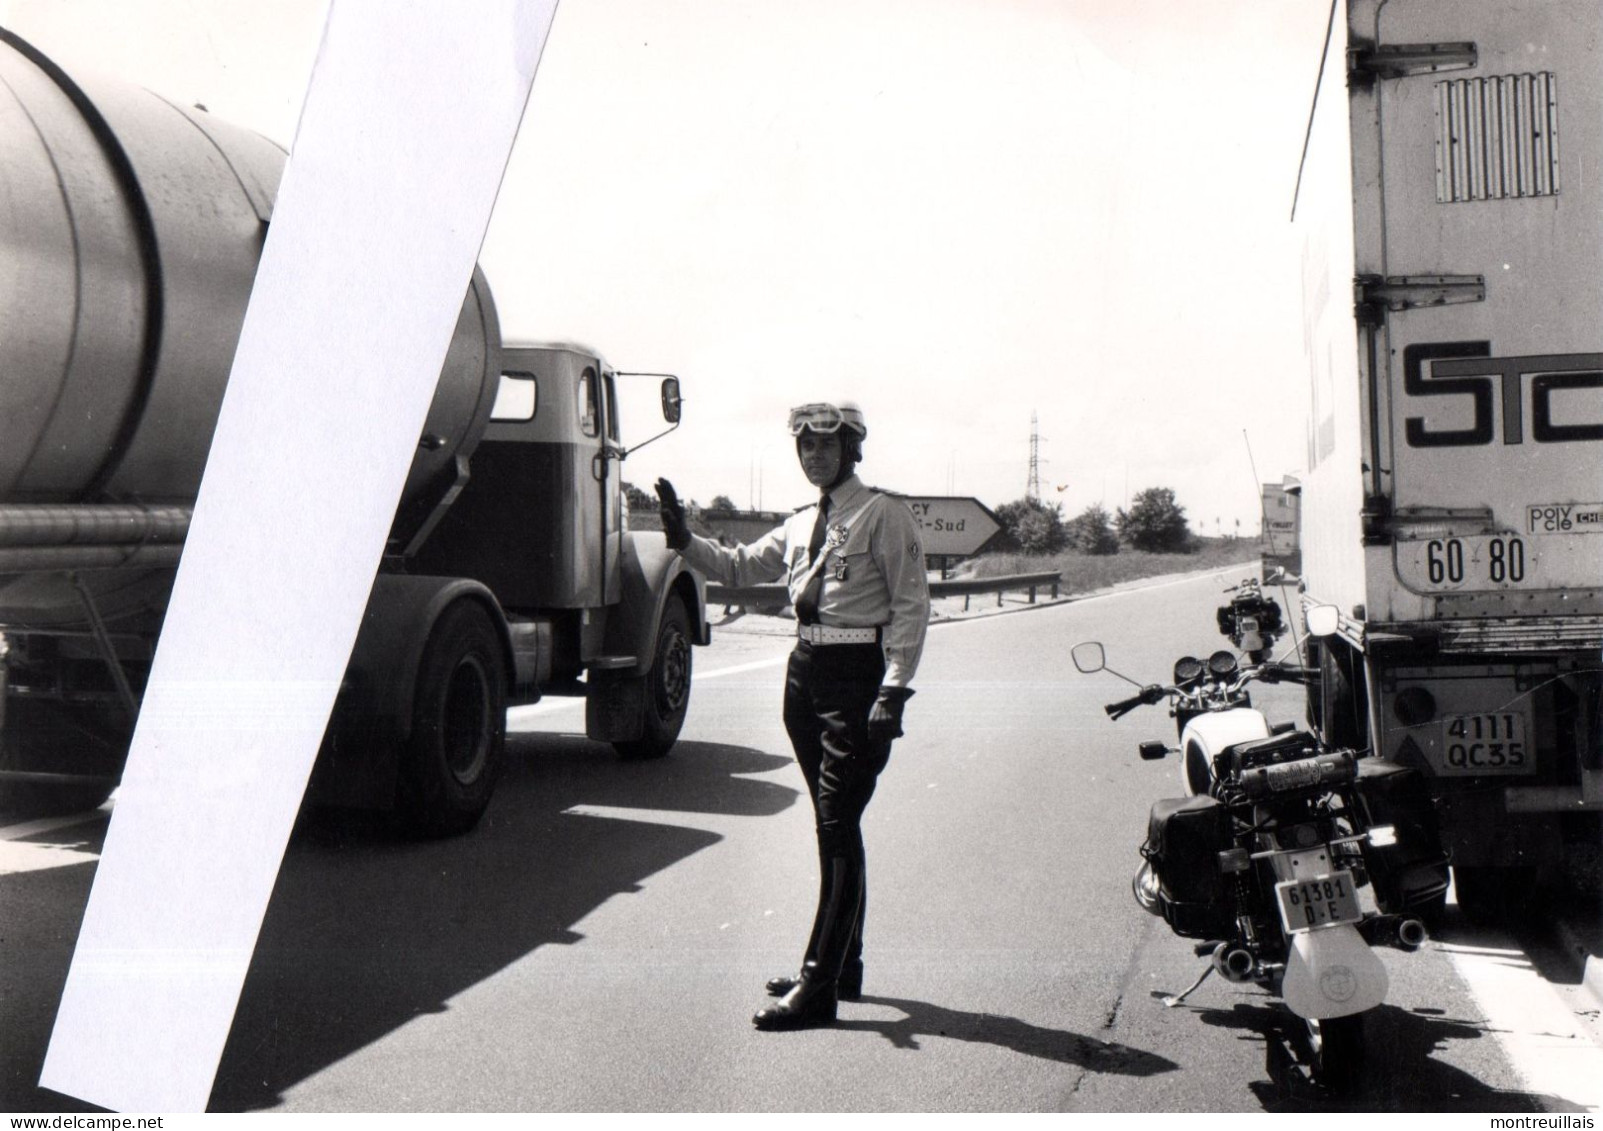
829,691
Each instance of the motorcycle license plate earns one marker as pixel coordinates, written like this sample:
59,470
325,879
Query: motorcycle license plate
1318,901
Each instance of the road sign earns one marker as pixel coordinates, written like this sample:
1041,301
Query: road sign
953,526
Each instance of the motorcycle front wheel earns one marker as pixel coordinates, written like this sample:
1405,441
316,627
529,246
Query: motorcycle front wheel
1337,1045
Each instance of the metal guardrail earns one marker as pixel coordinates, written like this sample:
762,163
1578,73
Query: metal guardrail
777,596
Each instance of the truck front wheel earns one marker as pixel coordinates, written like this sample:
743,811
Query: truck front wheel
450,765
667,686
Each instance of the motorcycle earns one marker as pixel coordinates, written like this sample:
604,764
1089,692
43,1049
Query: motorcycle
1251,620
1263,860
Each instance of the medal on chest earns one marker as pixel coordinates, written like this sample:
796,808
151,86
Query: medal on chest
833,541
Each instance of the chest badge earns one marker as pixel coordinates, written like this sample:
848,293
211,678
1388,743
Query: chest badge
836,537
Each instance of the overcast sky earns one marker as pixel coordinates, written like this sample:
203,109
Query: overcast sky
956,212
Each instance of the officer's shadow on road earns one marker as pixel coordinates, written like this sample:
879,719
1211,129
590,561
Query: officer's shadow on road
1399,1072
923,1019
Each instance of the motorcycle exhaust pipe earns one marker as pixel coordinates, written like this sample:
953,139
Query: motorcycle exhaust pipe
1411,934
1144,886
1234,963
1401,931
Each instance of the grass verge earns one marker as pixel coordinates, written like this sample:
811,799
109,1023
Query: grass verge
1083,573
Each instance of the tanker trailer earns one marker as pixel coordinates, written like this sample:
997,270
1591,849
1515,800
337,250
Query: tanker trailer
130,228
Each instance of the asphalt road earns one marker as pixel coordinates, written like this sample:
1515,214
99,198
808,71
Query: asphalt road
600,941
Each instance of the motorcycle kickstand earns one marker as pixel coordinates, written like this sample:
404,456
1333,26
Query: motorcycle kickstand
1175,999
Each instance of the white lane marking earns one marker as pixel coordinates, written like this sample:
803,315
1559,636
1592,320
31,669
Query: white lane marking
772,661
1538,1033
568,702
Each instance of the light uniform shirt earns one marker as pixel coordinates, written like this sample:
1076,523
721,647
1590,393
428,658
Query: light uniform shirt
872,564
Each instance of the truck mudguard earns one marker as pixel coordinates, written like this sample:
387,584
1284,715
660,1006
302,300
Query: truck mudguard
650,573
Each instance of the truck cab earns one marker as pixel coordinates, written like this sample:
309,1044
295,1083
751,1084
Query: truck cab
532,534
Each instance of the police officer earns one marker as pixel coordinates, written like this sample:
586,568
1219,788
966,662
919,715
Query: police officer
855,572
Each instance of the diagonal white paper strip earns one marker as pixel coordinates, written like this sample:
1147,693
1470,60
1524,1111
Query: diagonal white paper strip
402,142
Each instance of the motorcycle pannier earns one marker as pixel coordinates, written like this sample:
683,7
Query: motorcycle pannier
1410,875
1184,838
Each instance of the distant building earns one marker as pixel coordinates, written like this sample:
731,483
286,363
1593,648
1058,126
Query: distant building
1282,528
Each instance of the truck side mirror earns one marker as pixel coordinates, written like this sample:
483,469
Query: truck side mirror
1323,620
1089,657
671,399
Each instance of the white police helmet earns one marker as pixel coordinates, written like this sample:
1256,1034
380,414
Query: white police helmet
827,417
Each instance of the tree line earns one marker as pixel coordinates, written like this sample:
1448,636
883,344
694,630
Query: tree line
1154,522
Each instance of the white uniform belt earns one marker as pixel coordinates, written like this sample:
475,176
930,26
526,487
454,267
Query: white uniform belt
828,634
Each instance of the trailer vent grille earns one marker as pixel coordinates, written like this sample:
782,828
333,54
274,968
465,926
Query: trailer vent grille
1497,137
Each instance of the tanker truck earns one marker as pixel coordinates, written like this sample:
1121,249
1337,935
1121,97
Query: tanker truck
130,229
1452,227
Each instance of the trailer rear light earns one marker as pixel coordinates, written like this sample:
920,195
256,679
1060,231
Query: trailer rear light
1413,706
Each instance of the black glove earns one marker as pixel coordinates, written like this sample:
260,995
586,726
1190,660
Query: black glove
673,516
885,720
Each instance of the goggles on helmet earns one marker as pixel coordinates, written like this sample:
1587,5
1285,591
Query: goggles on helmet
827,419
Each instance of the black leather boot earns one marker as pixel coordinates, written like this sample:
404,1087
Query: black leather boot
848,987
809,1004
813,999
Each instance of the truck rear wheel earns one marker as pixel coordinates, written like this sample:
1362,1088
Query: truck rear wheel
1344,707
450,765
1490,894
76,752
667,686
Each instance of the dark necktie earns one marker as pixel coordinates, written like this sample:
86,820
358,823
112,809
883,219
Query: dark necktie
807,603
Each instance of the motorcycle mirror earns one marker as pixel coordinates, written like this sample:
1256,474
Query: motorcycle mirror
1089,657
1323,620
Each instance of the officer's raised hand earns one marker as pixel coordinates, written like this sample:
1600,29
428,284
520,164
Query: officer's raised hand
672,511
885,720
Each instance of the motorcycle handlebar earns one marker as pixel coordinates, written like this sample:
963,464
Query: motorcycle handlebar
1284,673
1266,673
1152,693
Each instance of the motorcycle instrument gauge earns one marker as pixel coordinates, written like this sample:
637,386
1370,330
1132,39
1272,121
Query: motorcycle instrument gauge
1222,664
1187,671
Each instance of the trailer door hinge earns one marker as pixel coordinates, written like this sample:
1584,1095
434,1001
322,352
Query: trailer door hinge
1373,295
1368,61
1375,521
